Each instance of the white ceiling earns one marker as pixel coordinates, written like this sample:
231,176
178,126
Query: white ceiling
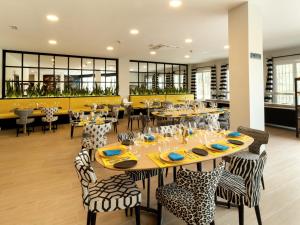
87,27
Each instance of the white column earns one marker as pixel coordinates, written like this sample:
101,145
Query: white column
124,66
246,73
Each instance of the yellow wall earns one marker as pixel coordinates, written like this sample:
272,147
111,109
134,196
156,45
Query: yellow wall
7,105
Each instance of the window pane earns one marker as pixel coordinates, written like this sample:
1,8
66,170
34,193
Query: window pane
203,84
284,84
75,63
87,64
111,65
46,61
13,74
13,59
31,60
61,62
100,64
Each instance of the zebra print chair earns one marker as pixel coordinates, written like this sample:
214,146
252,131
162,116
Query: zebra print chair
49,117
212,120
115,193
94,137
192,197
169,129
138,175
260,138
241,185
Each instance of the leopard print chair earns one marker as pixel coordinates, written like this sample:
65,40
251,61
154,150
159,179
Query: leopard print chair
94,136
241,185
138,175
112,194
49,117
192,197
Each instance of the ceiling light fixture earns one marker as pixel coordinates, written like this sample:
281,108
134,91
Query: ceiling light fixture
226,47
134,31
153,52
186,56
109,48
52,18
52,42
175,3
188,40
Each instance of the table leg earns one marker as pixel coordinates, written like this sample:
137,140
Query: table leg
72,131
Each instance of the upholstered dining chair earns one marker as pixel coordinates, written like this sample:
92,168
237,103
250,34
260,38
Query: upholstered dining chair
94,136
212,120
132,117
49,118
115,193
241,184
260,138
23,120
192,197
224,120
114,117
138,175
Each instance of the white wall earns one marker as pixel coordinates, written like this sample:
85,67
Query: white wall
124,66
1,77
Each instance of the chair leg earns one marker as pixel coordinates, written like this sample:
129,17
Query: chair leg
144,185
137,215
159,213
199,167
257,212
131,122
126,212
148,192
241,213
18,131
212,223
88,220
167,171
93,218
174,174
263,182
131,211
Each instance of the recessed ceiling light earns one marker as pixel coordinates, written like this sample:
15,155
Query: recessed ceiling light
52,18
52,42
109,48
153,52
175,3
226,46
134,31
188,40
186,56
13,27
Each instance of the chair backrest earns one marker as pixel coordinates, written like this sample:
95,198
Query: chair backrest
129,111
169,129
97,133
260,138
23,114
86,175
166,104
203,185
250,167
212,119
49,112
129,135
115,112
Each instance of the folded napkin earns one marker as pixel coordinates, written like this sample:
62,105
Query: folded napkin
112,152
175,156
149,138
234,134
219,147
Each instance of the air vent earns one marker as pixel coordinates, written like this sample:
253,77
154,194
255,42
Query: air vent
159,46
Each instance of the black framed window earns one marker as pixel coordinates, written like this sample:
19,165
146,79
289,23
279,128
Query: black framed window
35,74
157,76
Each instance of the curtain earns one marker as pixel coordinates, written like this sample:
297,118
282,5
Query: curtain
269,82
213,82
193,83
223,82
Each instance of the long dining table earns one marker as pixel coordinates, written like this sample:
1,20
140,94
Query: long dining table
152,155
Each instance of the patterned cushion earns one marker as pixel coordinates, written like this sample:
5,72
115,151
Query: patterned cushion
250,170
191,198
49,114
117,192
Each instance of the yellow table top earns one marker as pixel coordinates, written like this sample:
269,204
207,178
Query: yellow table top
148,154
187,113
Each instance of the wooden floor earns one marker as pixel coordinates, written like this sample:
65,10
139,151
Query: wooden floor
39,185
